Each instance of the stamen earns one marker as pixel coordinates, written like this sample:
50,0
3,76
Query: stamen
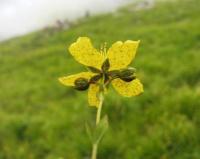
103,50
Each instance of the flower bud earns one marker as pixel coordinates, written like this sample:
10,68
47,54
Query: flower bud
81,84
128,79
127,75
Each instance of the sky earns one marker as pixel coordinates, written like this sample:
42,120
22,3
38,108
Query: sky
18,17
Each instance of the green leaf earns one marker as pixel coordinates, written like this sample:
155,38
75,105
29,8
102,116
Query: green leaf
89,131
100,130
96,134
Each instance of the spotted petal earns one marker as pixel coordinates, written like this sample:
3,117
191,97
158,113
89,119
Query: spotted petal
84,52
69,80
121,54
93,95
128,89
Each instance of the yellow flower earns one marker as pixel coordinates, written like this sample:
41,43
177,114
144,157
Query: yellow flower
104,67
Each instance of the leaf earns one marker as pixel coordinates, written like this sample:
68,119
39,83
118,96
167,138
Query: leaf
89,131
96,134
101,129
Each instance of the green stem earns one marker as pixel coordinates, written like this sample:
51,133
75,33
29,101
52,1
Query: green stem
94,151
98,117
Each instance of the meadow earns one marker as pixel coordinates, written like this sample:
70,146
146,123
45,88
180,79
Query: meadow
42,119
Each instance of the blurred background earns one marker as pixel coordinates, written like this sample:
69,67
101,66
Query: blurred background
40,118
23,16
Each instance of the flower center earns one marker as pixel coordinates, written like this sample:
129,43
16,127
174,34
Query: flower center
127,75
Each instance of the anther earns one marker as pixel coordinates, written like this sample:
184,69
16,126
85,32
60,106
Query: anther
105,48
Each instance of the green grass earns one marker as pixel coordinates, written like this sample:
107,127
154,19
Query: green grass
41,119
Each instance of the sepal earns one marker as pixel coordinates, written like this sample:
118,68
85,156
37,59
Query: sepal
93,69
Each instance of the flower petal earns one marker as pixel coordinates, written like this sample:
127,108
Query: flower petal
85,53
69,80
92,95
128,89
121,54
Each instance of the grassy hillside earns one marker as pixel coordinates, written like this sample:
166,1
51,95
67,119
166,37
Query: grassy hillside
41,119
